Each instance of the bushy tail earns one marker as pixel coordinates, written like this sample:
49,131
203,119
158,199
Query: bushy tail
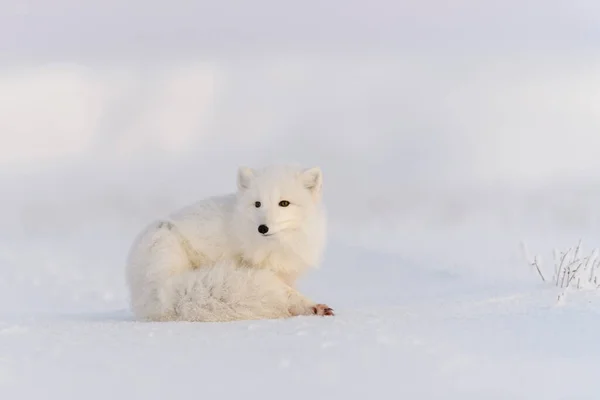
164,286
224,292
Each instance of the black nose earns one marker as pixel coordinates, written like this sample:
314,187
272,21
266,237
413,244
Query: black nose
263,229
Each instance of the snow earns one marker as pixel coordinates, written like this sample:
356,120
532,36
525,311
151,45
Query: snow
446,139
401,329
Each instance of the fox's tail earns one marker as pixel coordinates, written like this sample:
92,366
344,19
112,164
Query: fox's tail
223,292
164,286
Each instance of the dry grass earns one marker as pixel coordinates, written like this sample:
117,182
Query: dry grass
572,269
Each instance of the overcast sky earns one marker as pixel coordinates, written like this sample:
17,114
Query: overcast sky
114,29
449,89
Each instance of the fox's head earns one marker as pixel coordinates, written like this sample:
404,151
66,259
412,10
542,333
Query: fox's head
278,205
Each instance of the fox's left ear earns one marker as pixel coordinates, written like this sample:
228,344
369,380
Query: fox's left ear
244,177
313,180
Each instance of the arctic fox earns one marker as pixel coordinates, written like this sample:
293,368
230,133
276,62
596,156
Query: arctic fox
236,256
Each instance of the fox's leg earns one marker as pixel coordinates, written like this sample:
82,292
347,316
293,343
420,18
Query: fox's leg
301,305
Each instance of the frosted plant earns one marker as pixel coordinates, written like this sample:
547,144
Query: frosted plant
572,270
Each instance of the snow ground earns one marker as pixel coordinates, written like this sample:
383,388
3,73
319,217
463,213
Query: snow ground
431,312
446,138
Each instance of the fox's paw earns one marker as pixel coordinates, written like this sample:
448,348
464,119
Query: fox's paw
322,309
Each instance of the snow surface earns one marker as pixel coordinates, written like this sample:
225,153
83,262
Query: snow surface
446,141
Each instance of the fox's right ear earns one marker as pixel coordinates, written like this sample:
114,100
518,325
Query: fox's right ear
244,177
313,180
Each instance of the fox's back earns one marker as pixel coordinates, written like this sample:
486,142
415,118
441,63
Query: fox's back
206,226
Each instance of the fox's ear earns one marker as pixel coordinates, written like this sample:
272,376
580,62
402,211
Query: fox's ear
245,176
313,180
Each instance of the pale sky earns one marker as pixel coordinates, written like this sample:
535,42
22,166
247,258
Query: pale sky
114,29
475,90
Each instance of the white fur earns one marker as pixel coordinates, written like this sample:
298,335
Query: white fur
208,261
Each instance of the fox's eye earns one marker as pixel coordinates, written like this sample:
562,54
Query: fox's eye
257,204
284,203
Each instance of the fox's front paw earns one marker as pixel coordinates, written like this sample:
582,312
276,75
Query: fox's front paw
322,309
